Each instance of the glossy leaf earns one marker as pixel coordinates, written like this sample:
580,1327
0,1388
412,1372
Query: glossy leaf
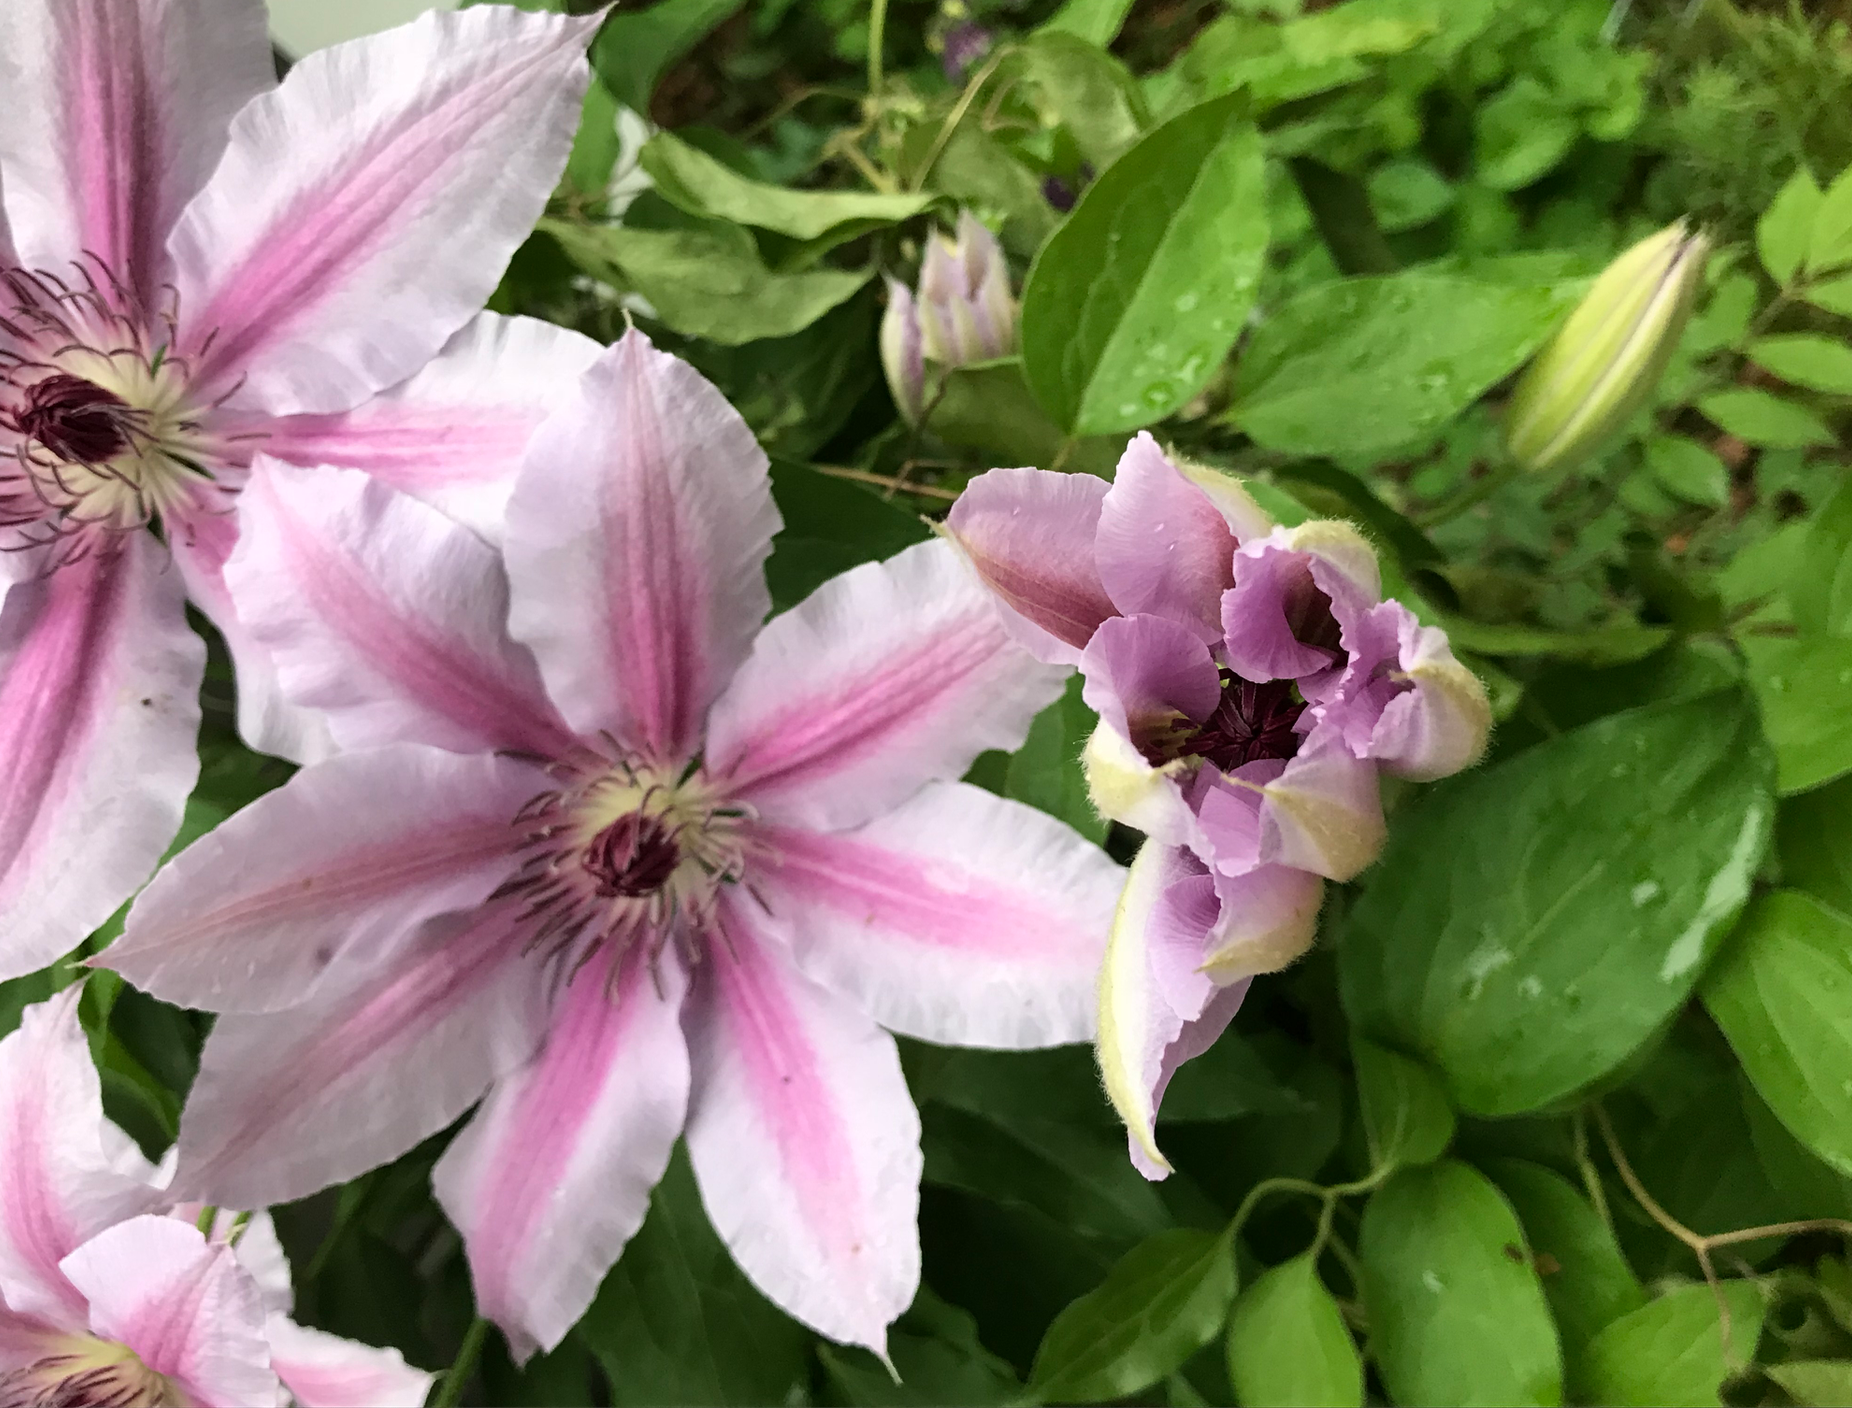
1671,1351
1820,589
634,49
1288,1346
1800,685
1531,924
830,525
1406,1117
987,408
1456,1314
1813,834
1046,773
1136,299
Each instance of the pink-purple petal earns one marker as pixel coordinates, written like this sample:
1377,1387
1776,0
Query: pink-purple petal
889,676
289,1102
99,707
365,209
636,541
1163,548
1323,813
385,615
321,1370
958,918
804,1139
553,1175
1146,675
1030,535
336,867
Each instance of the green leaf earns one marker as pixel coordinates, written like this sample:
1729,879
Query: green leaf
1078,86
1800,686
1288,1344
1763,418
633,50
1165,1300
1602,645
1456,1314
676,1321
936,1351
830,525
1820,587
1096,21
1786,227
1521,134
701,185
1408,192
1806,359
1046,773
1375,363
709,281
1134,302
1585,1277
1830,244
1530,925
987,407
1670,1352
1406,1117
596,147
976,169
1835,295
1687,469
1813,833
1783,995
1821,1382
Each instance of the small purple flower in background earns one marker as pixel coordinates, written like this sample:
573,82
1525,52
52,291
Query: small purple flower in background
200,264
1250,683
110,1294
603,847
966,43
961,313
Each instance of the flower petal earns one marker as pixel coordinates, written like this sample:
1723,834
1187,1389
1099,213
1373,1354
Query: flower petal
889,676
1030,534
184,1305
1125,788
1157,1008
99,707
202,537
1278,580
334,868
59,1185
1269,917
1147,674
959,918
553,1176
636,540
1324,812
1163,547
116,113
321,1370
289,1102
384,614
805,1142
454,433
365,209
1406,702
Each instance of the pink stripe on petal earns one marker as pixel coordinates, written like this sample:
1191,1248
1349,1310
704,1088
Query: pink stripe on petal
804,1139
99,685
636,541
553,1176
292,1101
321,1370
367,208
386,615
890,676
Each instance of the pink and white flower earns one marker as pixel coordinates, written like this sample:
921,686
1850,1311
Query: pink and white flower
601,846
196,263
1250,684
109,1293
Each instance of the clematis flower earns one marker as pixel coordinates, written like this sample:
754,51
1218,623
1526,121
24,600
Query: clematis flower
962,312
202,264
1250,684
110,1294
598,844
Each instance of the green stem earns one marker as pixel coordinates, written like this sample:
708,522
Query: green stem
877,36
449,1391
1472,495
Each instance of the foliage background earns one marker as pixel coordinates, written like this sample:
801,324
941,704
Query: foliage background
1589,1019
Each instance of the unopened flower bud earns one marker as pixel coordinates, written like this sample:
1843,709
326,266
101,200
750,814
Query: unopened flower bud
962,312
1599,369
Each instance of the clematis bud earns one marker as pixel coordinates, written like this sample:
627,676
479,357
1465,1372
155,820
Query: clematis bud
962,312
1605,361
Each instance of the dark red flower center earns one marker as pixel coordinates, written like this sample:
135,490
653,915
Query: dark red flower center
75,419
633,856
1250,722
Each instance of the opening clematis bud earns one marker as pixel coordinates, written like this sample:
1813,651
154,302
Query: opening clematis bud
961,312
1602,365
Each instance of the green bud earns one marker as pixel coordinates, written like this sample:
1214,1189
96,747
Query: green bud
1605,361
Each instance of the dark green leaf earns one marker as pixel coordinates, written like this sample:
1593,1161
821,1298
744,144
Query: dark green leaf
1456,1314
1406,1117
1046,773
1288,1344
1136,299
1374,363
1820,587
1670,1352
988,408
936,1352
1162,1303
1800,685
1603,645
634,49
1813,833
831,525
1530,925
